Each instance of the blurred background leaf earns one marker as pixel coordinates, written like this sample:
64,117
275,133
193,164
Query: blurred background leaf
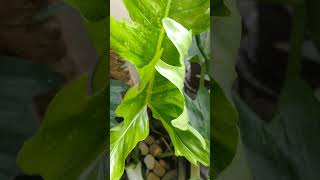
20,81
72,136
288,146
225,42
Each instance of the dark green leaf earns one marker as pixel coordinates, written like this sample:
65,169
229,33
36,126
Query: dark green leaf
225,42
218,8
239,168
116,90
195,59
73,124
97,170
99,35
198,111
20,81
288,146
100,75
92,10
224,130
313,14
95,16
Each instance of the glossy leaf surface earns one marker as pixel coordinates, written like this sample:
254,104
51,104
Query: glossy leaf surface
191,14
157,46
199,111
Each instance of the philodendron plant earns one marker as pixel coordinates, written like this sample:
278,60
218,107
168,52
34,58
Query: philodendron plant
156,42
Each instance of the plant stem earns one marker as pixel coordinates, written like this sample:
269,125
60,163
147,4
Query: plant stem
195,171
162,28
166,154
203,73
201,48
166,143
150,86
297,38
203,62
181,169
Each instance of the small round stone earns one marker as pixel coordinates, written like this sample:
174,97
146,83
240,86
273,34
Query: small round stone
150,140
144,149
149,161
155,150
158,169
164,164
152,176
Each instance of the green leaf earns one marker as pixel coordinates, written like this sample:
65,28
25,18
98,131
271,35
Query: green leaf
198,111
218,8
95,17
72,136
97,170
100,76
224,130
287,146
132,41
134,128
99,35
195,59
224,48
239,168
92,10
191,14
21,80
58,144
157,46
116,90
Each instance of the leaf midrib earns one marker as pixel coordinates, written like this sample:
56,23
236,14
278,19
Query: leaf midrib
159,45
150,86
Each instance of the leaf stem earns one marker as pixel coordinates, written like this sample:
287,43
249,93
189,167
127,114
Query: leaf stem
201,48
166,14
149,90
203,62
167,154
159,44
203,73
297,38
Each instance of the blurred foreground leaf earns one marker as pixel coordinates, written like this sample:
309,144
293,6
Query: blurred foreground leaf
72,136
225,42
